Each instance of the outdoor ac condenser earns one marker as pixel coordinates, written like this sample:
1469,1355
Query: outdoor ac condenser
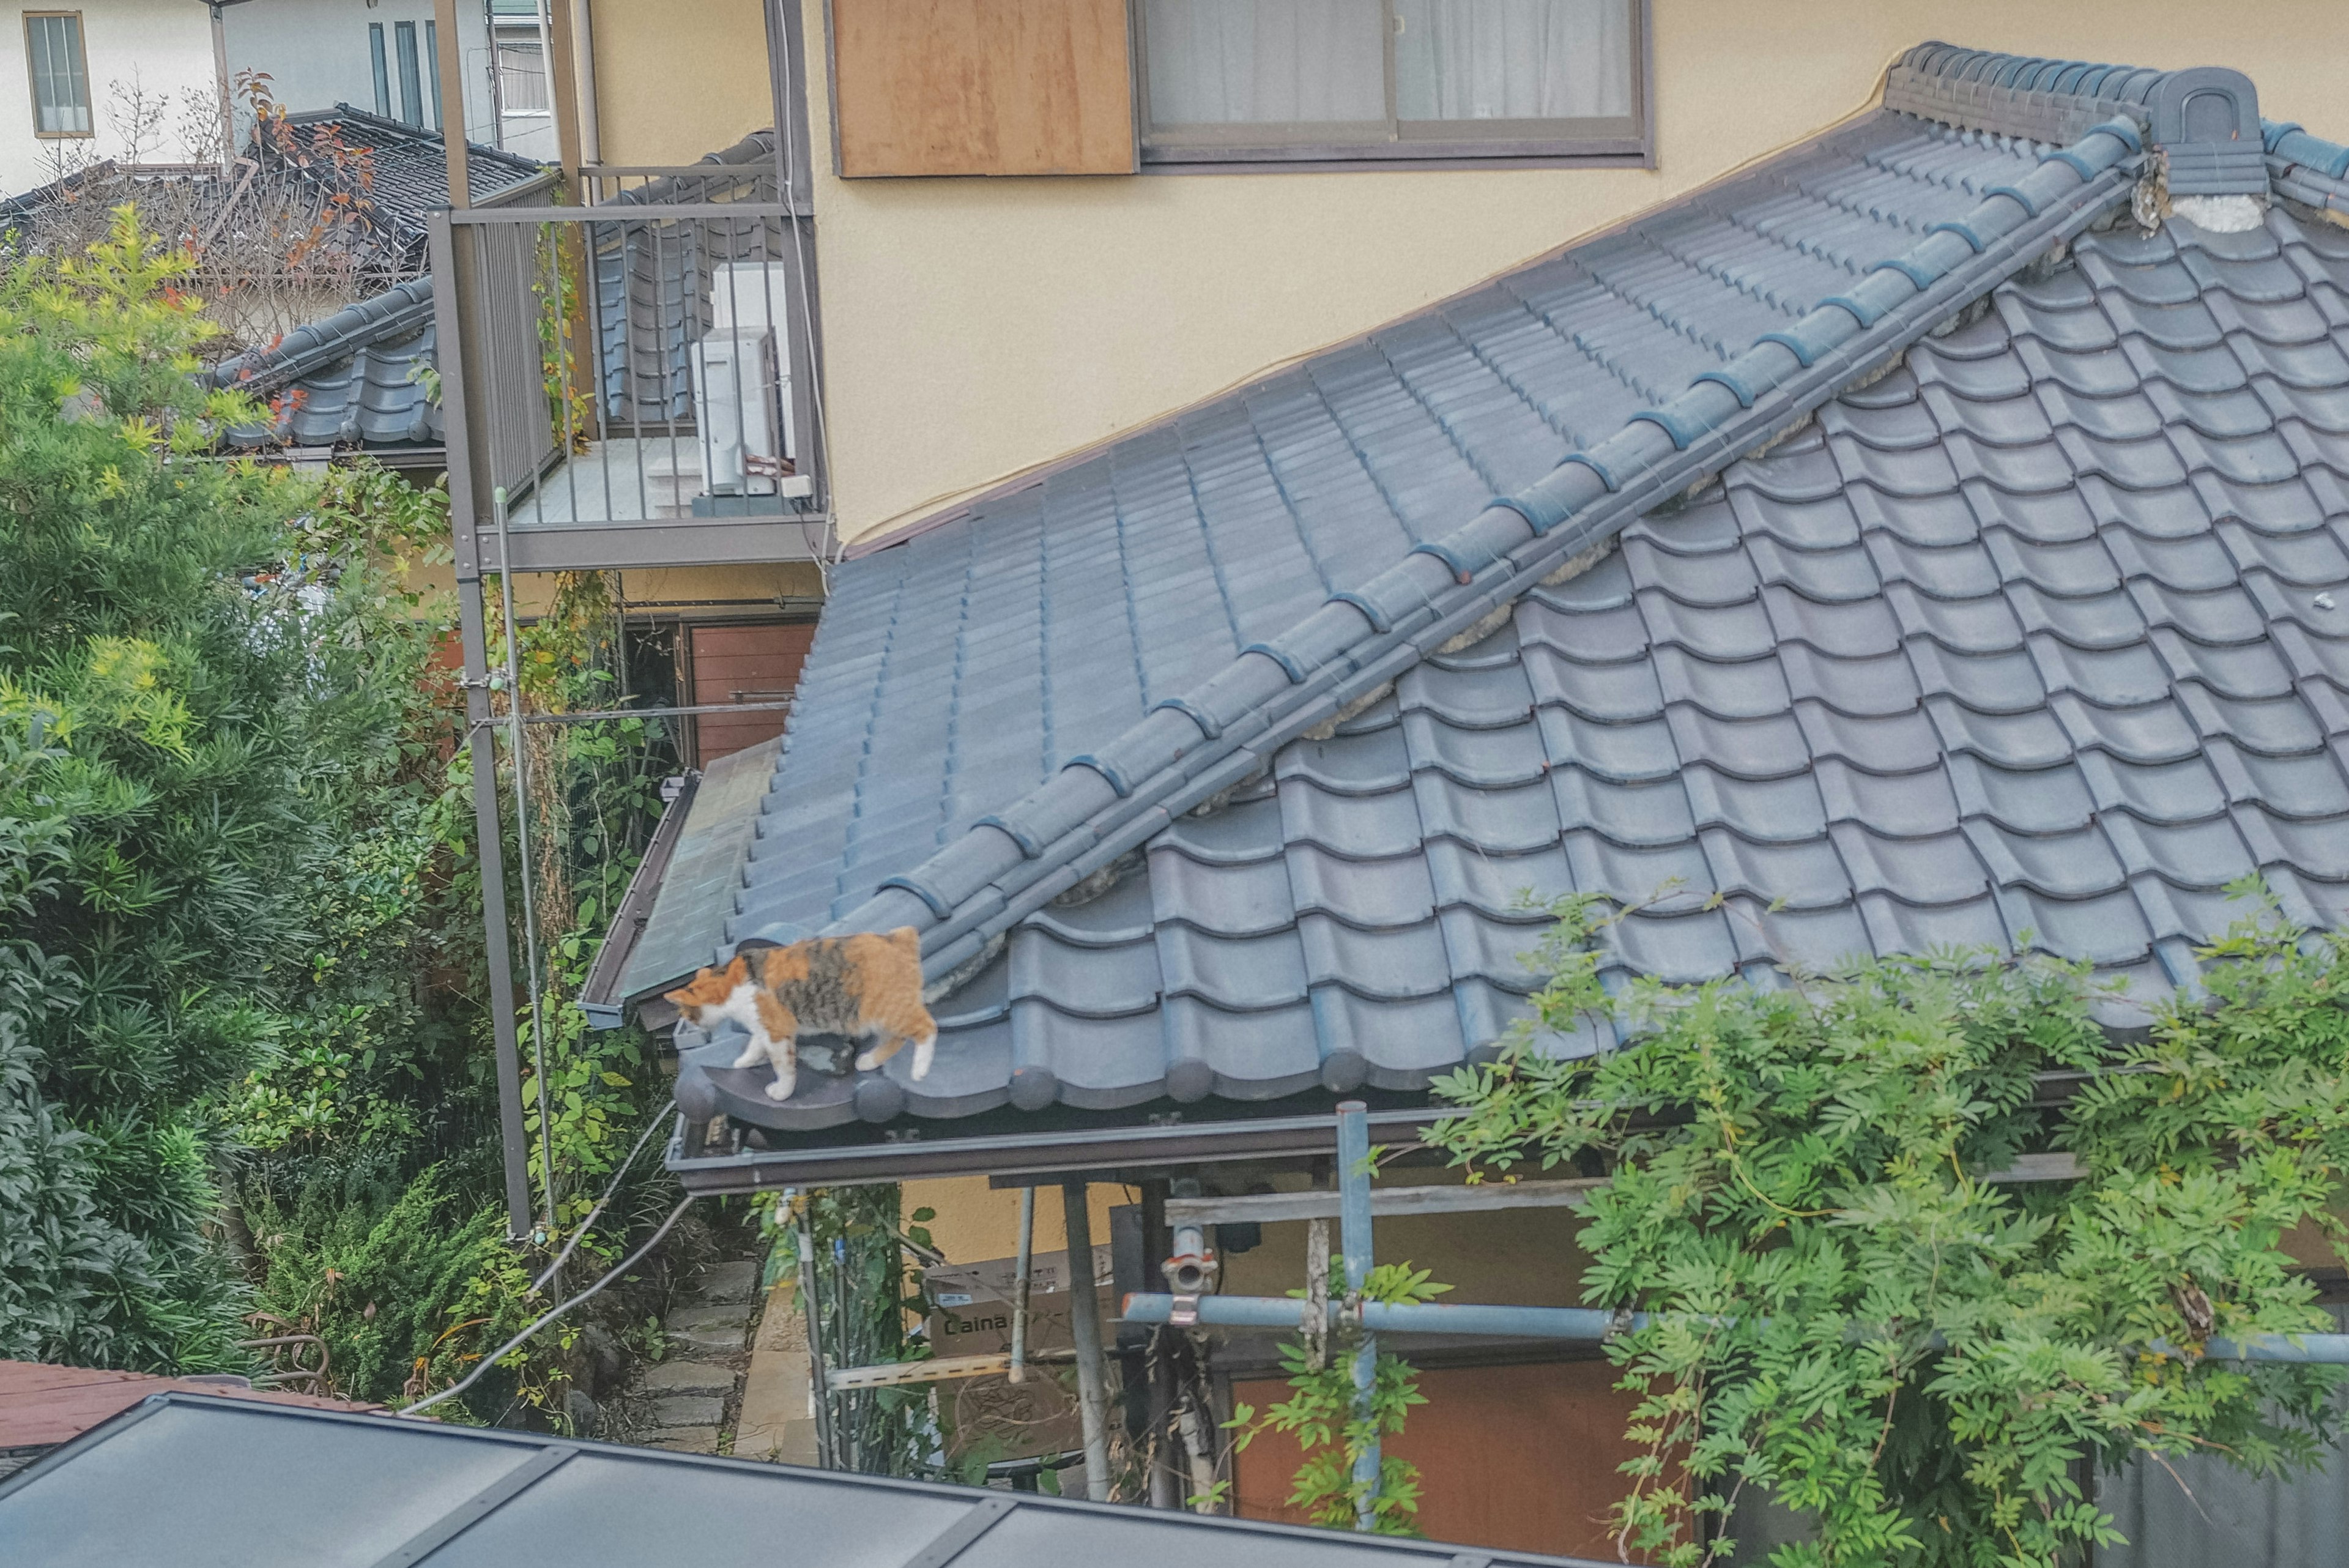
741,384
735,397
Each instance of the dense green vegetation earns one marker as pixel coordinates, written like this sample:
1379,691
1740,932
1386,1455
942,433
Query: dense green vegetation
1852,1317
244,1055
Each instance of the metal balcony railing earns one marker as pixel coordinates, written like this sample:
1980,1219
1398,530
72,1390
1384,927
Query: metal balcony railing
632,375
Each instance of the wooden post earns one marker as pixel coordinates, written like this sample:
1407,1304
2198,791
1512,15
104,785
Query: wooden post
1084,1315
452,125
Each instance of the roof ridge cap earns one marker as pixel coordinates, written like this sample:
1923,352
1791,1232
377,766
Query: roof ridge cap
2307,169
1101,805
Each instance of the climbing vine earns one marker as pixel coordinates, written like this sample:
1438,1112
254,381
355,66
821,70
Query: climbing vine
1323,1414
1853,1313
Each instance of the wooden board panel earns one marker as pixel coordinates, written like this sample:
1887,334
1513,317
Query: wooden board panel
744,664
1519,1459
982,87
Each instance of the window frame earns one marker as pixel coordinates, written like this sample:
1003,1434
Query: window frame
1317,148
32,81
379,57
406,50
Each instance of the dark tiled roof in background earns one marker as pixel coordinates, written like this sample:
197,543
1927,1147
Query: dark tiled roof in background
953,672
356,379
409,165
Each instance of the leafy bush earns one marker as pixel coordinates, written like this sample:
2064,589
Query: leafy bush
1853,1315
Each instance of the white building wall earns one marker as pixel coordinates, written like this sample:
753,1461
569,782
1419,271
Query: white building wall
157,52
318,54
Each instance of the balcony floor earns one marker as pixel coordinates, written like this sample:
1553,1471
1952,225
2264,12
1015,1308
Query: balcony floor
629,502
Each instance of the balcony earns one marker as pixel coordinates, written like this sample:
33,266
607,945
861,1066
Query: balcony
632,384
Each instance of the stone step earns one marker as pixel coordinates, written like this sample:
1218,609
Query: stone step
728,1282
734,1317
706,1339
683,1439
690,1410
689,1378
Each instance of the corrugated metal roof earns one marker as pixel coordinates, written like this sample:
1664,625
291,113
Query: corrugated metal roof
221,1483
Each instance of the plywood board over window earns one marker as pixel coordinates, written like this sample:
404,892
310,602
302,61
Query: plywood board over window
981,87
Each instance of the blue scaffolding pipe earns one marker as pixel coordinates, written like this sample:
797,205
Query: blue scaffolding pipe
1354,1245
1589,1324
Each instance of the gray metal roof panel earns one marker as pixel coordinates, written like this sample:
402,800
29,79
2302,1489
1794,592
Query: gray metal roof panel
214,1476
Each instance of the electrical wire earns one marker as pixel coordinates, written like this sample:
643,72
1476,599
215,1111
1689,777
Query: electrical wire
622,1267
617,1176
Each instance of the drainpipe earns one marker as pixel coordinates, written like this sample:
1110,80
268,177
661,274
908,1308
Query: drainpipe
227,102
1018,1372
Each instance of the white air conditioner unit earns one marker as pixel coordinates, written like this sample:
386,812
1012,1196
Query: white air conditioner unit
748,399
737,407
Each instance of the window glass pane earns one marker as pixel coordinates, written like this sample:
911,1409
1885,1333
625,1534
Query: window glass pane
382,70
432,67
1223,62
60,78
1513,59
411,86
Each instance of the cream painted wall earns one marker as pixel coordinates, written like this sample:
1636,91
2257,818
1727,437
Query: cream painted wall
976,328
677,78
162,49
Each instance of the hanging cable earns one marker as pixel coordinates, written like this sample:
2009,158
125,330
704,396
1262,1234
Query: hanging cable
622,1267
521,859
588,1224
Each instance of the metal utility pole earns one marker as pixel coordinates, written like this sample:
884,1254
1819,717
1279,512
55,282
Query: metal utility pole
227,96
480,742
1084,1315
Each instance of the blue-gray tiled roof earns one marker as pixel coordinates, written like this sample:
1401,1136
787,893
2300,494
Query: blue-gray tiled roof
2030,630
954,671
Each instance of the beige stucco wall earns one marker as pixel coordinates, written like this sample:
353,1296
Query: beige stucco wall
976,328
676,78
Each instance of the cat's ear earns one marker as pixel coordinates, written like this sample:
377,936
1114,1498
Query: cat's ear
680,999
739,970
908,938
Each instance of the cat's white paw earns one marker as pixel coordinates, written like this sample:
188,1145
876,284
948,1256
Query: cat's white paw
753,1054
780,1089
922,1051
868,1060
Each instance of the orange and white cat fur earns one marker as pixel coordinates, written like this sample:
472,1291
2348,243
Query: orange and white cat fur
861,987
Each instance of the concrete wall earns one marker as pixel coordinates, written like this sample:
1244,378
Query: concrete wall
316,54
161,49
976,328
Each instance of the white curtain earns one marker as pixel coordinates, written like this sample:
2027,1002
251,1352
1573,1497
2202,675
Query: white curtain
1221,62
1513,59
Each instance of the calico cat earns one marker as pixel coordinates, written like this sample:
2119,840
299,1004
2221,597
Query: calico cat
861,986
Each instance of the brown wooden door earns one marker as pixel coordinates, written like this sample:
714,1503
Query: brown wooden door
1519,1459
743,664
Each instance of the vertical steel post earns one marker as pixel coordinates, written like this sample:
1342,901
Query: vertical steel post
1027,1263
1354,1245
1166,1478
819,1394
481,745
1084,1316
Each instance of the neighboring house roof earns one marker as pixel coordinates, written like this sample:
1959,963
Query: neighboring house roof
408,166
219,1481
1212,765
362,378
43,1406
